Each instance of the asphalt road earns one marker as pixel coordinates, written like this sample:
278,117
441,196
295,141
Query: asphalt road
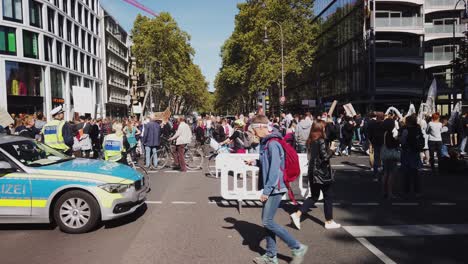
186,221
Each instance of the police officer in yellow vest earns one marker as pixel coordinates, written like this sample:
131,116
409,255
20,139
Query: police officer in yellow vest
115,145
58,133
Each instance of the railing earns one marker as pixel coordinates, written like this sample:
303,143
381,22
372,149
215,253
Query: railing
442,4
398,52
401,22
444,29
438,57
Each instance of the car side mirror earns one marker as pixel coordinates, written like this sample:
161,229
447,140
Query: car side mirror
5,167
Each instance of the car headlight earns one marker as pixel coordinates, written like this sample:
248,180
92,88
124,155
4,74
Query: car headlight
115,187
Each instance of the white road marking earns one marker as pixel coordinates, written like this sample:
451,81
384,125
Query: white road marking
444,204
338,165
365,204
171,171
407,230
375,251
183,202
154,202
406,204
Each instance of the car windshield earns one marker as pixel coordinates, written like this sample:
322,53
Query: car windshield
34,154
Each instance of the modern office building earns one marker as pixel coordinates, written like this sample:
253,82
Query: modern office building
46,49
387,54
116,74
340,69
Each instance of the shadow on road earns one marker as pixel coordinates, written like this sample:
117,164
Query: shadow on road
252,235
18,227
126,219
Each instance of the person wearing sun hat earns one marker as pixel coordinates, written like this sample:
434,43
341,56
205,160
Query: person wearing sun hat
58,133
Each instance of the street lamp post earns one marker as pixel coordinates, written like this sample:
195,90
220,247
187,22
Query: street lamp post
282,50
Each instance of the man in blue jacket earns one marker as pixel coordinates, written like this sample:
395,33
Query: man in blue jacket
151,140
272,159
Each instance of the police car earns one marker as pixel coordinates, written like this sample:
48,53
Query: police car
41,185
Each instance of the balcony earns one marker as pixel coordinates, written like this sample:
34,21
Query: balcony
441,5
118,68
414,2
443,31
400,24
434,59
405,55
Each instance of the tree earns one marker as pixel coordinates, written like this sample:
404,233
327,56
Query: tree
460,64
249,65
159,42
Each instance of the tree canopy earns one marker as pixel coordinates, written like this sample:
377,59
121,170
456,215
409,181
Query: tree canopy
163,52
249,65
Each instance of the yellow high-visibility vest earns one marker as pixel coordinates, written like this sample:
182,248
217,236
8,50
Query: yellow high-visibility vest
53,136
113,147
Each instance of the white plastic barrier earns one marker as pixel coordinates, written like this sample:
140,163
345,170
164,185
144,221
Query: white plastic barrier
240,181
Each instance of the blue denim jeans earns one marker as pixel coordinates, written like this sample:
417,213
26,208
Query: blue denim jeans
463,143
148,151
273,229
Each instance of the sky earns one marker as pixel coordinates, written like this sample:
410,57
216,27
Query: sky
209,23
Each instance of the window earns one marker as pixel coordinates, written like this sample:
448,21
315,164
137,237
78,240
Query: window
89,43
30,44
86,18
60,25
92,4
59,52
83,39
48,49
13,10
82,62
69,31
72,8
51,20
88,65
75,60
94,46
35,14
65,6
94,68
92,22
80,7
67,56
29,78
97,27
57,80
77,35
7,40
56,3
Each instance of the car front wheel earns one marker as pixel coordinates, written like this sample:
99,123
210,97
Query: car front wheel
76,212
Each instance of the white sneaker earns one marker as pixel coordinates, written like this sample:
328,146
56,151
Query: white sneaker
296,220
332,225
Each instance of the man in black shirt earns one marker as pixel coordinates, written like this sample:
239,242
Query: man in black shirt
464,124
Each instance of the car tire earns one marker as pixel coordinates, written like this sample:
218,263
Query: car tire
77,212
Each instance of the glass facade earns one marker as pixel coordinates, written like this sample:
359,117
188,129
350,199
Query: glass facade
13,10
7,40
30,44
57,85
35,14
25,87
340,67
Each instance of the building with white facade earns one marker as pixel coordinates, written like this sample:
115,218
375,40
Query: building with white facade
416,40
46,49
116,76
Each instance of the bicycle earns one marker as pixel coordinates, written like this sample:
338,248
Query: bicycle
193,157
211,166
134,164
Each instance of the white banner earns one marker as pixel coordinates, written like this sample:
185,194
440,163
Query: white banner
5,118
83,100
349,110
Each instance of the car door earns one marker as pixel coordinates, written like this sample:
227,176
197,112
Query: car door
15,189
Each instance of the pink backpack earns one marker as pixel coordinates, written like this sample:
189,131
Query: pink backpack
292,169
